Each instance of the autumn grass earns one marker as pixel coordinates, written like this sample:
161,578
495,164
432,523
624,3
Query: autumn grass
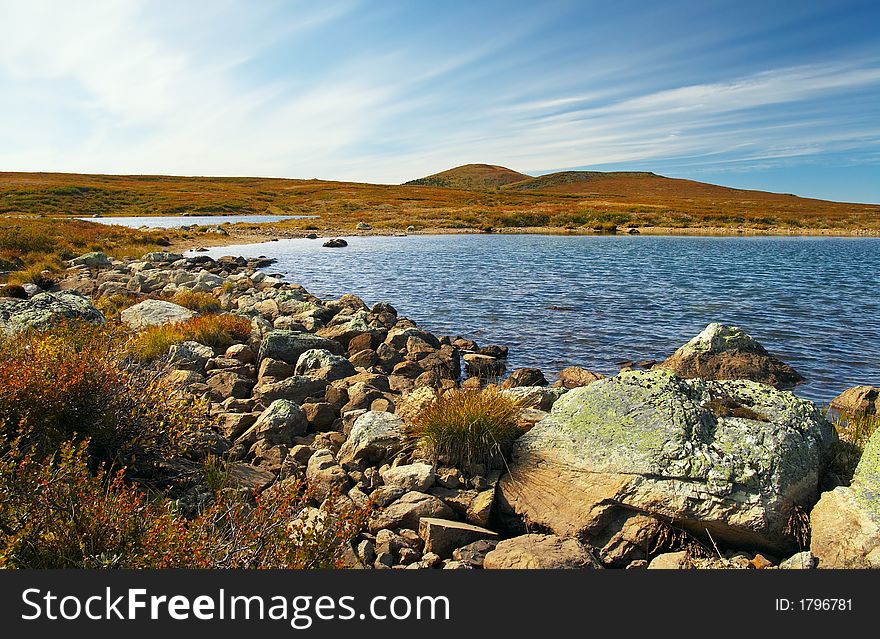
199,302
467,427
217,331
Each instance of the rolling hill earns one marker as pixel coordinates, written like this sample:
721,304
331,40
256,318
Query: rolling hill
471,176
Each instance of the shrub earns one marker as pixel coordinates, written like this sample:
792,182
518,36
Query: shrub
112,305
217,331
853,432
14,290
72,383
196,301
467,426
39,274
54,513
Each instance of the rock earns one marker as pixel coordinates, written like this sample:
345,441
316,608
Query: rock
163,257
859,400
408,511
525,377
249,477
363,226
418,477
375,437
92,260
336,242
280,423
154,313
480,509
541,552
760,562
484,366
184,378
233,425
731,457
415,403
727,352
846,522
333,366
399,336
801,561
288,346
575,376
274,370
190,356
670,561
538,397
296,389
442,536
324,476
241,353
227,384
44,310
320,415
474,554
632,536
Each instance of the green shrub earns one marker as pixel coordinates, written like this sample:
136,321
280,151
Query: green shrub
467,427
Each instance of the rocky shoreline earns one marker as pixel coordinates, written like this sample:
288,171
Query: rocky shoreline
704,460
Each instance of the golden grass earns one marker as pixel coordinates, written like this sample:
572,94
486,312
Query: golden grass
467,427
217,331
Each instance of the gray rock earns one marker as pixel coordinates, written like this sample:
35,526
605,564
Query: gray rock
297,389
45,310
331,367
162,257
730,457
96,259
408,511
418,477
280,423
190,356
728,352
287,346
801,561
375,437
539,551
154,313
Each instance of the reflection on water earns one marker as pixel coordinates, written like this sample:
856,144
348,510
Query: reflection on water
597,300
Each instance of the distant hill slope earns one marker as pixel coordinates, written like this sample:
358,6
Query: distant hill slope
471,176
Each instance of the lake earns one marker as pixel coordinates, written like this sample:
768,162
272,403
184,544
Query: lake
171,222
597,300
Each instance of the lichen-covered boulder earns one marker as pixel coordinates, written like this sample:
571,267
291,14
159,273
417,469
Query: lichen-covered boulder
44,310
727,352
323,363
846,522
95,259
287,346
154,313
731,458
375,437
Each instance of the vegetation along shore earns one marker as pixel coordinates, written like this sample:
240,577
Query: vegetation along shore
159,410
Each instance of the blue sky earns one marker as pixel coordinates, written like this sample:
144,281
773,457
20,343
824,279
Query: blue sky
776,95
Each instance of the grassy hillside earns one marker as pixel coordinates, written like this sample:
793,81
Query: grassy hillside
471,176
595,201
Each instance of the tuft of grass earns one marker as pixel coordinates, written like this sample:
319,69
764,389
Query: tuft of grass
217,331
203,303
40,274
853,433
467,427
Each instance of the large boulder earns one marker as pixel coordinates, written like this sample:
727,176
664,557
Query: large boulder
858,400
729,458
44,310
278,424
539,551
325,364
846,522
727,352
375,437
95,259
154,313
287,346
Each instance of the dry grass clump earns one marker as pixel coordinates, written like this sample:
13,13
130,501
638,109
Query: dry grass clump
467,427
71,383
217,331
200,302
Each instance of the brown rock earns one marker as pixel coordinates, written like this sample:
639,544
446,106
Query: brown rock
575,376
539,551
859,400
442,536
525,377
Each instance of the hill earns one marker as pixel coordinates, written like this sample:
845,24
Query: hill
471,176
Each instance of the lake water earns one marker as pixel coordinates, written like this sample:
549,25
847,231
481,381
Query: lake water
171,222
594,301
